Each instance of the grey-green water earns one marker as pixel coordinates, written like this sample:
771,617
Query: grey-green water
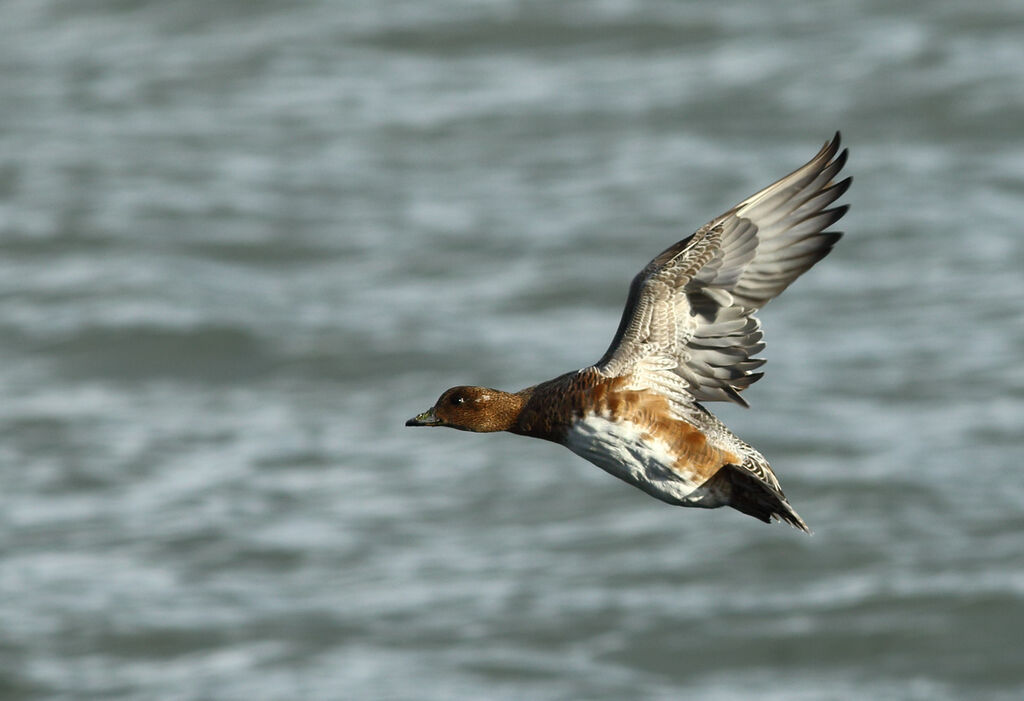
242,242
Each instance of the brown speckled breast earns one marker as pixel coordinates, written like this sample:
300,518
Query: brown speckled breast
553,406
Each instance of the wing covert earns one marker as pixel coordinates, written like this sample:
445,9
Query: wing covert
688,328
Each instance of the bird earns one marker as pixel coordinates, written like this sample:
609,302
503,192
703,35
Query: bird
688,335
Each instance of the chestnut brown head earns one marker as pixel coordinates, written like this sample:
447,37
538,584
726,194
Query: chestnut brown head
478,409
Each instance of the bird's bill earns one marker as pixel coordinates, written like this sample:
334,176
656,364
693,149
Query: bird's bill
427,418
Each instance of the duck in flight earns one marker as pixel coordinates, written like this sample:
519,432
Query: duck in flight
688,335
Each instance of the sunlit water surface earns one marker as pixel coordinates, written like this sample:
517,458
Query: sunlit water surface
242,242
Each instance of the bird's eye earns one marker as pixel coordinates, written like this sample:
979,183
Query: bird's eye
458,400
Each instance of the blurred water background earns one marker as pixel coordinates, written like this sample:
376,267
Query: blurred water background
242,242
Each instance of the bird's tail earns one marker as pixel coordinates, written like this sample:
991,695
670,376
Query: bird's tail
755,498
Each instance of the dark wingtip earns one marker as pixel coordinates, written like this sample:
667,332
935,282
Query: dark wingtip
830,148
839,189
839,162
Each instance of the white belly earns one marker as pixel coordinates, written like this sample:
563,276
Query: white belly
619,448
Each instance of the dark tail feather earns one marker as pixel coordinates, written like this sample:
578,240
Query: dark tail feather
755,498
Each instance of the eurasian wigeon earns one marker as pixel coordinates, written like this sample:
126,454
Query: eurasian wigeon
688,335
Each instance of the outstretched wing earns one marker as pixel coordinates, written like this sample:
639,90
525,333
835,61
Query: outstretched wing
689,328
